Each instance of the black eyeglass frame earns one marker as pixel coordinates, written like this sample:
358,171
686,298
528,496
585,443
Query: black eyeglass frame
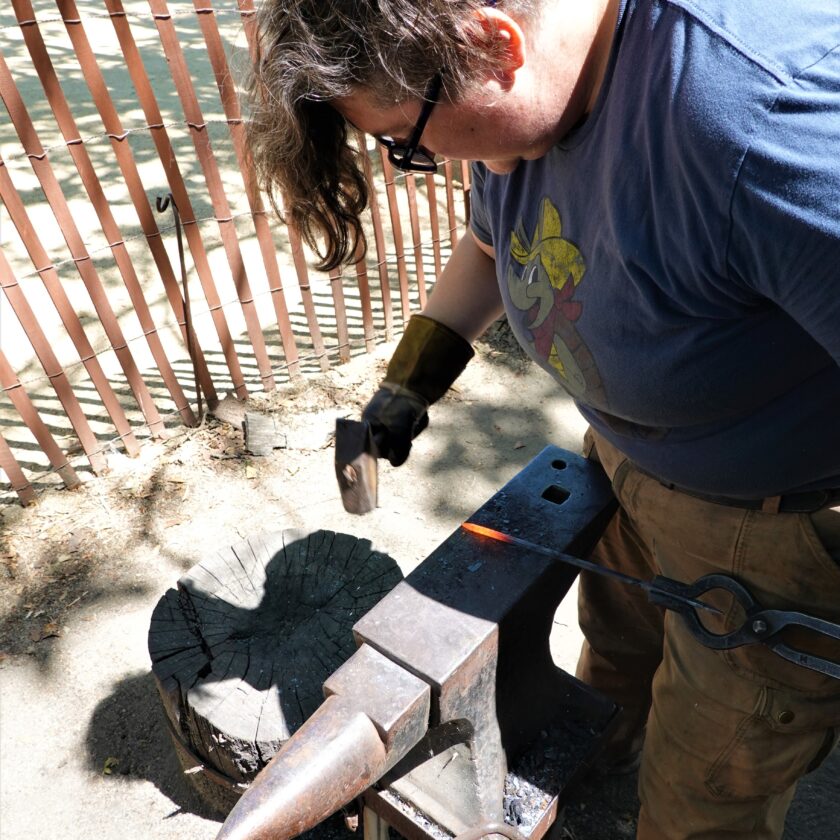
411,156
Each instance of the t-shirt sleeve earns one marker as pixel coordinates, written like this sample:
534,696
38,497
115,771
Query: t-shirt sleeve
479,222
785,222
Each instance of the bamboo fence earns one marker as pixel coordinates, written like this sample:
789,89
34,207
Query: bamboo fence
142,275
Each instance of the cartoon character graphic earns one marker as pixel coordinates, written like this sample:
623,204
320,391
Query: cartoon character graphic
552,268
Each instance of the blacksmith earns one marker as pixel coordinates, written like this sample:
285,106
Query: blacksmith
656,208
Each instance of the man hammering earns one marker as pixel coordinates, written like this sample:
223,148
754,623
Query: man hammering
656,208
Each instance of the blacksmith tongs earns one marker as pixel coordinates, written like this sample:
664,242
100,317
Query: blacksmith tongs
761,626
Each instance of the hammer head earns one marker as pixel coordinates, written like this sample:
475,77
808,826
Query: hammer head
355,465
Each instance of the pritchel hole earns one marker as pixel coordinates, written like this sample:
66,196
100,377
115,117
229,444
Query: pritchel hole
559,465
557,494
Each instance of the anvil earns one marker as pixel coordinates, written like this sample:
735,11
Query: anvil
453,676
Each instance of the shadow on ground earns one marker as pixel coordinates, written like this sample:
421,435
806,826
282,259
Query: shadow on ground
128,733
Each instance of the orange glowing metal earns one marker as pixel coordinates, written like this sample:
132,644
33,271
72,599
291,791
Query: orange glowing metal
487,532
493,534
651,587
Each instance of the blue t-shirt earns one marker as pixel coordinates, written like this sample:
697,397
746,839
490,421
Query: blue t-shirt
675,262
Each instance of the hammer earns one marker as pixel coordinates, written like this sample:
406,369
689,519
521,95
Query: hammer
355,465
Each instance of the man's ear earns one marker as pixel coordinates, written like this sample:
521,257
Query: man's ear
504,40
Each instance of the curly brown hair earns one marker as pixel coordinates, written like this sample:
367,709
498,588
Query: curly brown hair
311,52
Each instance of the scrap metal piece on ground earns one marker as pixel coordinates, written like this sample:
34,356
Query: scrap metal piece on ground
472,623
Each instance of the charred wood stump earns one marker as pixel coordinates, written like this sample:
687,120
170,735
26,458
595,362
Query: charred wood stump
241,647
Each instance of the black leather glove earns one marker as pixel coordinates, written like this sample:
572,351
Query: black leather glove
428,359
396,417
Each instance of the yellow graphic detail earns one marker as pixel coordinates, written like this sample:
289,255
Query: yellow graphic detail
559,258
542,276
555,362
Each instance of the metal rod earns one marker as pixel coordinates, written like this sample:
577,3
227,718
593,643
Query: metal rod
215,187
163,203
586,565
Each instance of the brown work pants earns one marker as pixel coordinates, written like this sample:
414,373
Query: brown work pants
728,733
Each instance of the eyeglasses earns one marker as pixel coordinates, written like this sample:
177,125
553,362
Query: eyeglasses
411,156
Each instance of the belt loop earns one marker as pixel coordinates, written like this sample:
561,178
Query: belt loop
771,504
589,450
620,476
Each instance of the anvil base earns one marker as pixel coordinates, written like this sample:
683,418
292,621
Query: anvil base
538,786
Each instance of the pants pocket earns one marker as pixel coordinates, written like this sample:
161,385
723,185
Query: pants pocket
826,528
783,562
786,736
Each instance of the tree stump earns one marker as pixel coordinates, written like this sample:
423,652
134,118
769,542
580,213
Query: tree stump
241,647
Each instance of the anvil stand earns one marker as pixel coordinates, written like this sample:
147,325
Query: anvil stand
502,618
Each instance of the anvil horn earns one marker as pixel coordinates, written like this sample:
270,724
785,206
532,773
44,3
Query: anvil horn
375,712
332,758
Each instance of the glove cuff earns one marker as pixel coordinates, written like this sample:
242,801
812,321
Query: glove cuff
429,358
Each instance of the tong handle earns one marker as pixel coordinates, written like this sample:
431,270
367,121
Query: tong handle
777,620
807,660
759,627
767,623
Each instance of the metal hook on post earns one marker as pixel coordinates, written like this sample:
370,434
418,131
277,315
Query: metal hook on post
162,203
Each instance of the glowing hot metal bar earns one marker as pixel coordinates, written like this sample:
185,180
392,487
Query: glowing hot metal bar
658,586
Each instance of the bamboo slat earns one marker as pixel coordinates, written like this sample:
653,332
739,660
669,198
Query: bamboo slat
29,414
230,103
58,378
450,204
134,182
43,170
160,137
416,238
69,317
299,260
20,483
396,226
364,298
215,188
64,118
434,222
379,240
340,315
466,186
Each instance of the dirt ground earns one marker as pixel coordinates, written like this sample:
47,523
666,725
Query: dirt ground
84,751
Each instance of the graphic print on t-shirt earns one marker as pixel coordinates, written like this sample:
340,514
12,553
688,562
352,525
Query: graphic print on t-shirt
543,291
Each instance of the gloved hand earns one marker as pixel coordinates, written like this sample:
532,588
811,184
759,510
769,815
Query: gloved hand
428,359
396,417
